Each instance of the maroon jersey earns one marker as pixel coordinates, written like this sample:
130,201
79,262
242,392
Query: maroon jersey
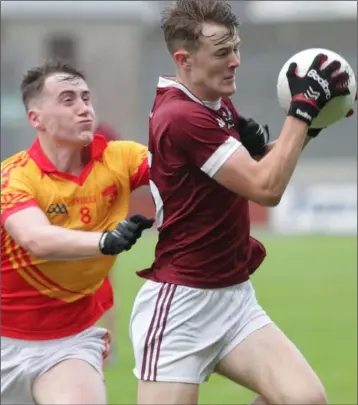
203,227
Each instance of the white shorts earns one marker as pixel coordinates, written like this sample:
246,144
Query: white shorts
22,361
179,333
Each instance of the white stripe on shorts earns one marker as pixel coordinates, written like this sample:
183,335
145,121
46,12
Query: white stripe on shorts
155,332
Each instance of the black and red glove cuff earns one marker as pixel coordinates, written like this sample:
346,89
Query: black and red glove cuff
304,111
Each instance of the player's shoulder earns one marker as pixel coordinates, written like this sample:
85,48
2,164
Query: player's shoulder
178,110
120,155
19,167
15,160
115,149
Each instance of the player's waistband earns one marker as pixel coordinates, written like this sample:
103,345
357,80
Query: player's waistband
36,343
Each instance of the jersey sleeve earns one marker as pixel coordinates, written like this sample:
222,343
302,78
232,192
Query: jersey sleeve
202,141
16,193
134,161
138,165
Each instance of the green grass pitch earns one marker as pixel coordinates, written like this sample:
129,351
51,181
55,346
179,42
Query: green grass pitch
308,285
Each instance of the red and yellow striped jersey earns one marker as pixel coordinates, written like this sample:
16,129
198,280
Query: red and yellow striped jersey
51,299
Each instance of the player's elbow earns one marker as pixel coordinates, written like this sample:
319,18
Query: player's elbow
268,199
261,194
273,198
267,196
273,202
270,192
33,246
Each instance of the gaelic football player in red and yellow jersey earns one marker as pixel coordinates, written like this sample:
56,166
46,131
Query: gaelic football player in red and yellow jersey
64,204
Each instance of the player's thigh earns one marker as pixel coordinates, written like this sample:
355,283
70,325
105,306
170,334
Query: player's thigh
75,363
15,376
177,332
71,381
268,363
167,393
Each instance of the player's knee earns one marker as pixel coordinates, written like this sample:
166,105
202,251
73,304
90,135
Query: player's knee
310,395
316,395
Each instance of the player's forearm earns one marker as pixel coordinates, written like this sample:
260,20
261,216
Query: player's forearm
278,166
270,146
60,244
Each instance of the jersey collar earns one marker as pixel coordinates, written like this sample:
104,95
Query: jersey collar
170,82
97,146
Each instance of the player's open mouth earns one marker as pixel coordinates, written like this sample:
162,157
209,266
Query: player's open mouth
86,122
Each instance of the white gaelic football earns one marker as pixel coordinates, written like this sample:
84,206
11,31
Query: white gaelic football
338,107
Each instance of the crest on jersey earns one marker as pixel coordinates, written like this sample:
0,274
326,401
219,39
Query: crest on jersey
221,122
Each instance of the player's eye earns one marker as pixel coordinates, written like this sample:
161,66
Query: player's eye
222,54
67,99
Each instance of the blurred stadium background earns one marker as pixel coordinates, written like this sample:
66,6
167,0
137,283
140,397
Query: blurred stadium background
308,283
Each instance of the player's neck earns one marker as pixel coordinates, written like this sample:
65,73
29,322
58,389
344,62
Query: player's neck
197,91
66,159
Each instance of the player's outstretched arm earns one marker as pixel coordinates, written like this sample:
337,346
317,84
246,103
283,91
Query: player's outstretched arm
31,229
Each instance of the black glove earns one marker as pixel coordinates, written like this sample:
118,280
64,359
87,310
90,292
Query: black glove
311,92
125,235
253,136
313,132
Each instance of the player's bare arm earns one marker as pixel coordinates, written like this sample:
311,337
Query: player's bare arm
48,242
270,146
265,181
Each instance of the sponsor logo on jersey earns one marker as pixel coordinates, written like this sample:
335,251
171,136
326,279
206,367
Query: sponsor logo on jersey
83,200
57,209
221,122
111,192
228,118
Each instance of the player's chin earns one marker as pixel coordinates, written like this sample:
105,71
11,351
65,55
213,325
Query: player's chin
228,90
85,137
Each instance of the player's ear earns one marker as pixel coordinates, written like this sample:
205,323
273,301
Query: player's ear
35,119
182,59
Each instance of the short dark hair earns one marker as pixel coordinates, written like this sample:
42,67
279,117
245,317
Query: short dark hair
182,22
34,79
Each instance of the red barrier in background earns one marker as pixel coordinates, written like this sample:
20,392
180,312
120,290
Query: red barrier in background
142,203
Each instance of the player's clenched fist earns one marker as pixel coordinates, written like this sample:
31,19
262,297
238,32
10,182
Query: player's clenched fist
311,92
125,235
253,135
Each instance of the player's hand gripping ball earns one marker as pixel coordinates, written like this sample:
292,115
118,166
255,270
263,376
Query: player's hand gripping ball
336,108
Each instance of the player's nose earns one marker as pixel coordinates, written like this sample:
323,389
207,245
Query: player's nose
84,109
234,61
